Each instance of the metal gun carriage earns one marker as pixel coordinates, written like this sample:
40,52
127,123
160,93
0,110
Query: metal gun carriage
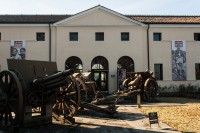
137,83
32,91
146,83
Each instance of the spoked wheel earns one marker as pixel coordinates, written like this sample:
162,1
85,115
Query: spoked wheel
125,84
67,101
83,89
11,100
150,89
92,93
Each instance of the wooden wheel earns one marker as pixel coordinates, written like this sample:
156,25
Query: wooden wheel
125,83
150,89
67,100
11,100
83,89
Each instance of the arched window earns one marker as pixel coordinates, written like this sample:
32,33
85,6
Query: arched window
99,62
75,63
126,62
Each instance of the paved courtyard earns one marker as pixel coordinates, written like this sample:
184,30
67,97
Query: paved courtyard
127,120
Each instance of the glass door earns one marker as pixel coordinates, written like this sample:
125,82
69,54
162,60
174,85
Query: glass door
101,79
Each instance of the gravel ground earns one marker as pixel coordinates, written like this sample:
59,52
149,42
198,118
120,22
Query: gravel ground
184,115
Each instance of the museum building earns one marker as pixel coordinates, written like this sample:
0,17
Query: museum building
102,41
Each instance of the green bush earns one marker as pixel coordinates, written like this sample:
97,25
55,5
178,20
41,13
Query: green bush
180,88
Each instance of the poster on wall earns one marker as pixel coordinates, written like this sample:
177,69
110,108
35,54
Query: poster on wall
18,50
121,76
178,60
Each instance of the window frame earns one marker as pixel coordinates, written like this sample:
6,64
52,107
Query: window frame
71,38
38,38
159,36
99,38
160,71
196,36
125,33
197,73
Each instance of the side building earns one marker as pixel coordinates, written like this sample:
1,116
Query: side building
103,41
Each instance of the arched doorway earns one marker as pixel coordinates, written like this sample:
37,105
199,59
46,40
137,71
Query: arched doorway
125,64
74,63
99,67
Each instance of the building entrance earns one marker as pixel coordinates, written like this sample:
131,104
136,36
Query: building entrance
125,65
100,72
100,77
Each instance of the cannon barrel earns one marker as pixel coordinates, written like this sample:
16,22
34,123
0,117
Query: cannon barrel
54,76
56,84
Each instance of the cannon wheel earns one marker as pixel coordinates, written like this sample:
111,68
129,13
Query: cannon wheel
11,100
83,89
150,89
67,101
125,83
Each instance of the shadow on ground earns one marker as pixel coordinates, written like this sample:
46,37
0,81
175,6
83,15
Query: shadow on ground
116,116
100,123
78,128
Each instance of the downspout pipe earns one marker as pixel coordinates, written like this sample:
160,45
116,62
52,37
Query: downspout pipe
148,58
49,42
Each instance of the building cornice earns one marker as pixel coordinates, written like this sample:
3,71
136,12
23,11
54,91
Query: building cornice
96,8
100,26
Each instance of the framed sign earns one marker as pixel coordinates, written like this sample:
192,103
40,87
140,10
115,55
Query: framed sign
153,118
17,50
179,60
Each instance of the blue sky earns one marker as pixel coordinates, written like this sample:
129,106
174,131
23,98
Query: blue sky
126,7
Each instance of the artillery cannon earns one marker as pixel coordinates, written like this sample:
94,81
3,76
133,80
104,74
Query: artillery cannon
147,83
137,83
32,91
88,88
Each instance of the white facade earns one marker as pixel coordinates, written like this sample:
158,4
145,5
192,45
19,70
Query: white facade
100,19
160,52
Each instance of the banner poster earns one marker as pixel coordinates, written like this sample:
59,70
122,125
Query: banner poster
178,60
121,76
18,50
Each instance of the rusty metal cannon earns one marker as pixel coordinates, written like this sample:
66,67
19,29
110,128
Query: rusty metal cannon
99,98
147,83
32,91
88,88
137,83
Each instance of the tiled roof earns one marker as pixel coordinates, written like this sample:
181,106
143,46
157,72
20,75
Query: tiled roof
37,19
44,19
166,19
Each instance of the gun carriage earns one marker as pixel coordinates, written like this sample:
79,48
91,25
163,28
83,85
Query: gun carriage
88,88
32,91
147,83
141,83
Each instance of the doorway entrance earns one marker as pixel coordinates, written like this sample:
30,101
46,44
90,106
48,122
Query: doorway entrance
101,79
100,73
125,65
